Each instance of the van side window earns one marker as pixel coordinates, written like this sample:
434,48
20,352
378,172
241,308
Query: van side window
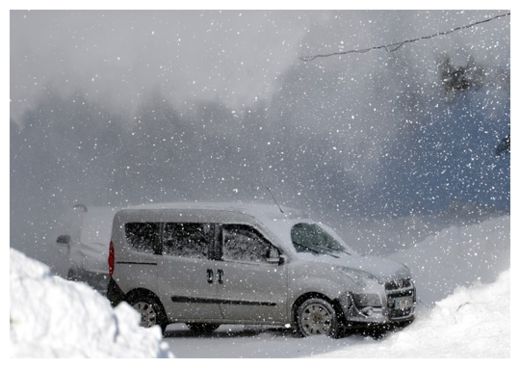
187,240
143,236
244,243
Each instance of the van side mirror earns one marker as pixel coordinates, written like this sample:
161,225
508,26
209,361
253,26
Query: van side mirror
274,256
282,260
63,239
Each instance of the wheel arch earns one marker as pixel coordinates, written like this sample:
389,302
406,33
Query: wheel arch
143,292
314,294
140,292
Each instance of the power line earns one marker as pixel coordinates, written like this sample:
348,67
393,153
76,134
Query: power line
391,47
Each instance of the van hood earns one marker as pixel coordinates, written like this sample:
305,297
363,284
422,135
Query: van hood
382,269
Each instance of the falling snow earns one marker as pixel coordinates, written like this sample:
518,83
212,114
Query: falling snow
404,153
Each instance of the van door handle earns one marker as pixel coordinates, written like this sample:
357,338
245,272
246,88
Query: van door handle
209,273
220,273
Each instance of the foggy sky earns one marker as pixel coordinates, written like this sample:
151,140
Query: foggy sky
118,56
117,107
237,57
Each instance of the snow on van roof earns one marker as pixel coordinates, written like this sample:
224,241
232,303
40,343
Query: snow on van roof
256,209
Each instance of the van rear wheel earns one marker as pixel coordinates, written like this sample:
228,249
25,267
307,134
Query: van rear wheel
203,328
150,309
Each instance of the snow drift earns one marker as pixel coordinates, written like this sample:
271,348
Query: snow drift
458,315
458,256
52,317
471,323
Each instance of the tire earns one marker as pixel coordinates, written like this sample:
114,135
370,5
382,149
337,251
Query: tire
317,316
151,310
203,328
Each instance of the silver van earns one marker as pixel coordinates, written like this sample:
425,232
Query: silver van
207,264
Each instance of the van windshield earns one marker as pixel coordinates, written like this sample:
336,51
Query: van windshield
314,239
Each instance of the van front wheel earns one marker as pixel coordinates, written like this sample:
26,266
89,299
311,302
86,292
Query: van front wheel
317,316
203,328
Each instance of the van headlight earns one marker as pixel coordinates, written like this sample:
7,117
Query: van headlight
367,300
363,280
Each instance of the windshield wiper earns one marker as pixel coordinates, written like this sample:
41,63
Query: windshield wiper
317,250
345,251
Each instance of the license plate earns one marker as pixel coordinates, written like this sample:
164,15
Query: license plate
404,302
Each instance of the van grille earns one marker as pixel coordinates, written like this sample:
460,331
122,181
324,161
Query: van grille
400,313
397,289
398,284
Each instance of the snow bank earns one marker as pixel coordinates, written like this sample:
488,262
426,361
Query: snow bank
52,317
472,323
458,256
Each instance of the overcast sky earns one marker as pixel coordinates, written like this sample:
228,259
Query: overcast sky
117,56
372,134
234,56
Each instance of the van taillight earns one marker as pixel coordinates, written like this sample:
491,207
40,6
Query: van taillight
111,259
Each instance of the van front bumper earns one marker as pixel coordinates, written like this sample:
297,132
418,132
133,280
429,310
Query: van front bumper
384,311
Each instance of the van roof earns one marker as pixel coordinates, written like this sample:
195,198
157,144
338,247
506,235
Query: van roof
255,209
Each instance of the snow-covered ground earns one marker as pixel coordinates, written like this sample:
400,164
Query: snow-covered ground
53,317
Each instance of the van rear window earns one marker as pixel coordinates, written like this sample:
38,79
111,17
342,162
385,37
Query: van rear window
143,236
